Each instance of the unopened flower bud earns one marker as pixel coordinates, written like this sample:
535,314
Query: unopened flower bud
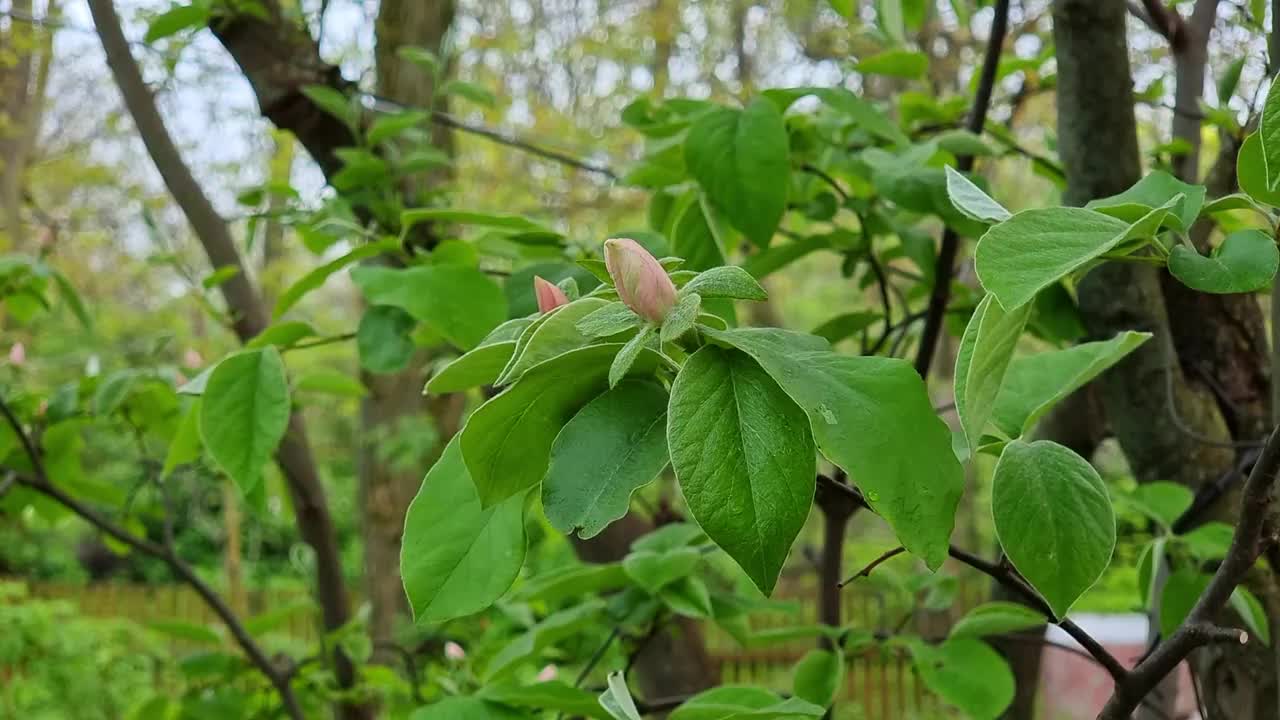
641,282
18,354
549,295
454,651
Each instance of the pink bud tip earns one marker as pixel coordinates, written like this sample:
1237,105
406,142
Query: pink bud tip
642,284
18,354
191,359
454,651
547,674
549,295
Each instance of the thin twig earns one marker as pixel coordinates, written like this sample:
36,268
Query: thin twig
866,571
945,265
825,177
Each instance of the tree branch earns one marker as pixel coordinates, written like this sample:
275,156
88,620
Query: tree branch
40,483
1252,533
945,265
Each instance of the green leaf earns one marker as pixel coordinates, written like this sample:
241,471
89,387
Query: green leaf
996,618
331,382
72,298
1035,248
1228,81
388,127
890,19
498,221
895,63
185,445
552,695
459,302
615,445
183,630
1155,190
456,558
282,334
985,351
1181,591
1245,262
818,677
1152,556
1209,541
316,277
628,354
1269,137
968,674
219,276
244,413
682,317
469,91
743,702
1162,501
846,325
507,441
556,627
465,708
383,340
726,281
112,391
555,333
1033,384
1250,609
608,320
653,570
177,19
1251,172
689,597
971,201
1053,518
744,458
573,582
873,417
693,235
741,158
617,699
482,365
333,102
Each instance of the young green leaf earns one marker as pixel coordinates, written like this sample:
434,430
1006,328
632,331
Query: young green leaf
627,355
818,677
966,673
611,319
1053,518
456,559
1035,248
615,445
689,597
465,708
985,351
1269,137
617,699
1251,172
482,365
552,695
382,339
682,318
244,413
1245,262
461,303
971,201
873,417
653,570
744,457
185,445
316,277
1153,191
744,702
996,618
555,334
177,19
332,382
1033,384
554,628
507,441
726,281
898,63
741,158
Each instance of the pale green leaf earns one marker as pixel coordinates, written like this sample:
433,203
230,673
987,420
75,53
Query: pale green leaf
971,201
996,618
244,412
985,351
1246,261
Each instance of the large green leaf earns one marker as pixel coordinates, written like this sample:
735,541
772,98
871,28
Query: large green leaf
382,339
1053,518
1036,248
483,364
557,333
1269,136
996,618
1152,191
744,458
615,445
1245,262
244,413
743,702
507,441
968,674
1251,172
461,303
465,708
818,677
871,416
551,695
457,558
1035,383
985,351
741,158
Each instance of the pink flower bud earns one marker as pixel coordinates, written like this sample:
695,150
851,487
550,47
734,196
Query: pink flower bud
550,296
547,674
18,354
454,651
638,277
191,359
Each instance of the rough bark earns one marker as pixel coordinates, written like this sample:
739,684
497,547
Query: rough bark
1168,421
294,456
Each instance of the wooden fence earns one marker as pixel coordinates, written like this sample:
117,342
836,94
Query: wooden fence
879,685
